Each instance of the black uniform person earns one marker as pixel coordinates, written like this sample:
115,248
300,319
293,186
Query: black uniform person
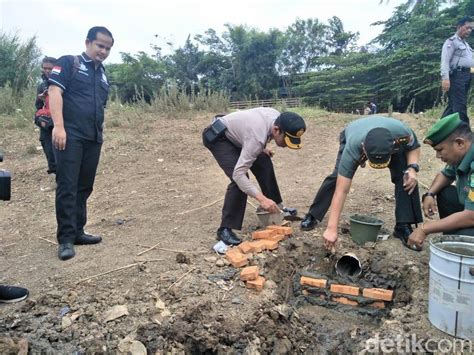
43,118
78,93
456,63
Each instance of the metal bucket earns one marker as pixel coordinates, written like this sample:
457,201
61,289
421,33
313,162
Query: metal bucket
451,293
268,219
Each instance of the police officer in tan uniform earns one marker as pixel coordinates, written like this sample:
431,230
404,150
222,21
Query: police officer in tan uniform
238,142
456,63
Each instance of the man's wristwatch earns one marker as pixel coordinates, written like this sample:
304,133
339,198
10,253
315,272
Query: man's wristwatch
415,167
429,193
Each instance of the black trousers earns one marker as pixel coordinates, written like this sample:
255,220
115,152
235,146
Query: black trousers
46,139
235,202
76,167
460,82
448,203
407,207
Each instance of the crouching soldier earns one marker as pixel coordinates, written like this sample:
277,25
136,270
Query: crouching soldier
383,142
451,138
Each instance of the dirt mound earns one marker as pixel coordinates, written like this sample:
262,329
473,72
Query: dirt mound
156,184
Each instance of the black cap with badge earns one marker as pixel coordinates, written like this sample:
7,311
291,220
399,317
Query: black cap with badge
293,126
378,146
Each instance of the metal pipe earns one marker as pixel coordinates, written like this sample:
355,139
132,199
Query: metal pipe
348,265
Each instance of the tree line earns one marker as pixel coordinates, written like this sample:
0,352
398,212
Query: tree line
317,61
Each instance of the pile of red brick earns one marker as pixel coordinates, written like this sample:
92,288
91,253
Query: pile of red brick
267,239
346,294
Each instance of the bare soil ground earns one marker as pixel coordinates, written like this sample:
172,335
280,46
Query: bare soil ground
151,171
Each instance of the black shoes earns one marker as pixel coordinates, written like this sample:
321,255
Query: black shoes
308,223
227,236
402,231
66,251
86,239
11,294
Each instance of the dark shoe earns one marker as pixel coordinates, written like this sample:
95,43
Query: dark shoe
11,294
227,236
87,239
402,231
308,223
290,214
66,251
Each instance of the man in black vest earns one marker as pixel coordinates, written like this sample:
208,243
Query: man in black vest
78,94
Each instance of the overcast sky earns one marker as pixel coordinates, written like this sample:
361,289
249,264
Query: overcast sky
61,26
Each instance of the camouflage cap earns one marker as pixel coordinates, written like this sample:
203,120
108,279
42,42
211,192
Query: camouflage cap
442,129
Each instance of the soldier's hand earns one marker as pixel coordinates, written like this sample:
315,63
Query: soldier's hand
429,206
416,239
409,181
445,85
59,137
330,238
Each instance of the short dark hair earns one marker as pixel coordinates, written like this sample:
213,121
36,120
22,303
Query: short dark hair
92,34
47,59
462,21
462,131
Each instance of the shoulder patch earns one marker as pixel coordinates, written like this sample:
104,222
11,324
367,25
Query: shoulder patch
470,195
402,140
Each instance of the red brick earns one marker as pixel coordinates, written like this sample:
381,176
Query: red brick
264,234
277,238
249,273
269,244
347,290
378,294
236,258
256,284
282,229
377,304
309,281
344,300
245,247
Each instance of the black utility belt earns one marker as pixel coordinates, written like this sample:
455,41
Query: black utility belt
464,69
215,131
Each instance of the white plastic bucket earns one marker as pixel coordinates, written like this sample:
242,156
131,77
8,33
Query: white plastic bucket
451,294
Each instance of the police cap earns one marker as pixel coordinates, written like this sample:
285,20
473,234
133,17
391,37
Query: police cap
293,127
442,129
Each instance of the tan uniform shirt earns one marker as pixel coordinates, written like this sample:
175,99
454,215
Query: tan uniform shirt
249,130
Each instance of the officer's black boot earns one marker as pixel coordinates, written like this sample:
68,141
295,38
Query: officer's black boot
86,239
227,236
308,223
66,251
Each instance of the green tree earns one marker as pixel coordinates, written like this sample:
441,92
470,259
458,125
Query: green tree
139,76
254,56
20,61
338,40
305,42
